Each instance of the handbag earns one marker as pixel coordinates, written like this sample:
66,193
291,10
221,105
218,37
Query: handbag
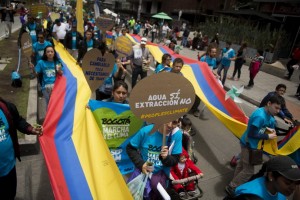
256,155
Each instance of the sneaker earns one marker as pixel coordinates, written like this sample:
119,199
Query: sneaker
182,194
230,191
192,193
196,113
230,78
233,162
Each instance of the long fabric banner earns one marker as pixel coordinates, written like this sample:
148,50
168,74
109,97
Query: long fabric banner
213,96
118,125
79,162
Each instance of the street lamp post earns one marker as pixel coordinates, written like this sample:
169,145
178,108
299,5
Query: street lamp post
139,10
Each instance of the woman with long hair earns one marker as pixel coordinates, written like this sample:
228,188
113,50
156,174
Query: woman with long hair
48,67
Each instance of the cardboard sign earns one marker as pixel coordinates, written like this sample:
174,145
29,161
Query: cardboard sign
162,98
26,44
39,10
105,24
54,16
97,68
123,46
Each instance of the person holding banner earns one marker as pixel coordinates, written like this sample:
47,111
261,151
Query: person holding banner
145,149
49,66
10,122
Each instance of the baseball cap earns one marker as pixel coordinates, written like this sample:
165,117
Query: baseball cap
143,40
285,166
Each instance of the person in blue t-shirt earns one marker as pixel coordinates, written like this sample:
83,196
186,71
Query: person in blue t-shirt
10,122
228,55
146,147
38,48
261,126
165,63
49,66
277,179
210,58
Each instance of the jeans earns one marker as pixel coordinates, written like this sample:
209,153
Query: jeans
137,70
8,26
184,41
237,68
153,35
221,67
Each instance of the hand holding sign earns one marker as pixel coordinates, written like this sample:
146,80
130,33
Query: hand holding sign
26,44
162,98
105,24
123,46
96,68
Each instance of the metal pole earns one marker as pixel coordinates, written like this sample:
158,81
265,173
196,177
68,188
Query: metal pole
139,10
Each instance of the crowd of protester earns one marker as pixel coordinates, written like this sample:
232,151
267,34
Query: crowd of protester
278,177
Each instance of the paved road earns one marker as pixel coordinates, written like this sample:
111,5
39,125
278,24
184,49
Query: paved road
15,27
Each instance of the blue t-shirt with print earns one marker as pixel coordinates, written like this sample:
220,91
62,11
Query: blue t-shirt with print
32,32
47,68
212,62
38,49
226,55
7,155
89,44
74,33
258,187
149,145
260,119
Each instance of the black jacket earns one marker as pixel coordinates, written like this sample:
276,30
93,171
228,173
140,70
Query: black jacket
16,122
83,48
68,40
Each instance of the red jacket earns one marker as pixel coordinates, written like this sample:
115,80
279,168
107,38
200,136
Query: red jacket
189,166
296,54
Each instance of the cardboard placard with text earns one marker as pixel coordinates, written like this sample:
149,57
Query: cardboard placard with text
162,98
105,24
36,10
96,68
54,16
123,46
26,44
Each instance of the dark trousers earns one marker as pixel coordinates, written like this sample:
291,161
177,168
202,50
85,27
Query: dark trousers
196,104
221,67
298,89
8,185
290,68
237,68
153,34
137,70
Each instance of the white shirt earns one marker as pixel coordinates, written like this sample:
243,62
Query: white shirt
165,29
60,30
